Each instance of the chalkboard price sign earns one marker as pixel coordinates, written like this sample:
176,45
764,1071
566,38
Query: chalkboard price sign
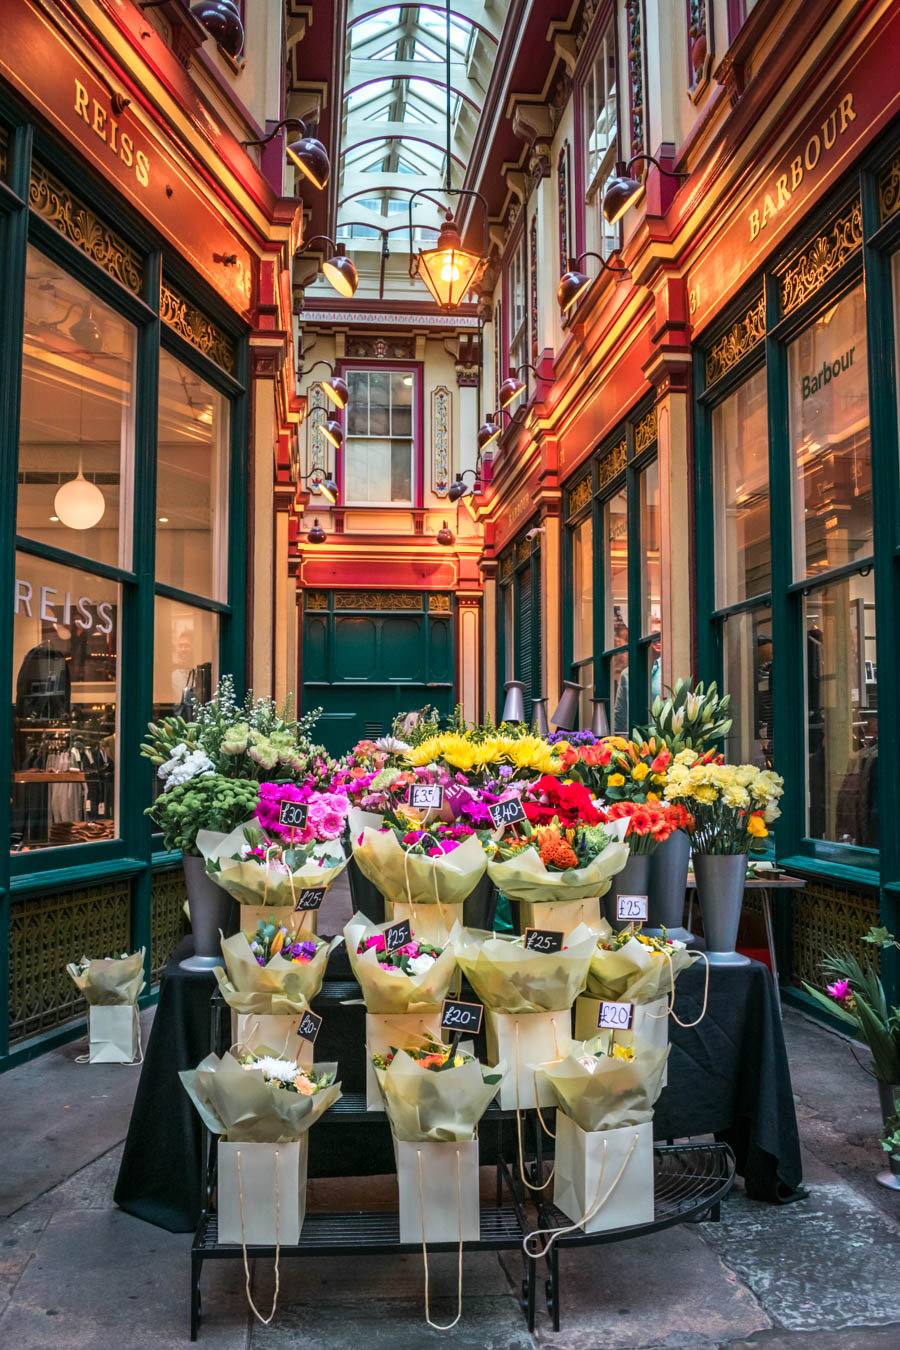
506,812
632,908
293,815
615,1016
426,796
398,935
309,1026
310,898
543,940
457,1016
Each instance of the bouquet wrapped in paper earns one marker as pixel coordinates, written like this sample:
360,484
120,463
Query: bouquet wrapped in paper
257,869
509,978
440,864
411,979
272,971
634,968
110,981
432,1094
603,1091
558,863
260,1099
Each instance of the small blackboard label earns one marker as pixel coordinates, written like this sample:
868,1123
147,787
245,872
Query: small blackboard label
310,898
457,1016
426,796
616,1016
293,815
309,1026
507,812
632,908
543,940
398,935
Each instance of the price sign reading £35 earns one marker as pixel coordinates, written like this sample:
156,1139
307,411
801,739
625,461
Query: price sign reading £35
426,796
309,1025
632,908
615,1016
457,1016
293,815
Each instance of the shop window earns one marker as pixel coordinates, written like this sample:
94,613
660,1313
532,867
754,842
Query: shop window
65,694
517,305
583,614
192,482
830,444
185,657
747,667
76,446
841,695
651,579
741,493
615,607
378,450
600,145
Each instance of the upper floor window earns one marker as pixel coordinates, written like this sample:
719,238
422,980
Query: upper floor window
518,304
600,114
378,450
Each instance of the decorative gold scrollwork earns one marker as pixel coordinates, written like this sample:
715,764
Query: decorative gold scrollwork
645,432
506,567
195,326
439,603
402,600
740,338
889,188
611,464
580,494
51,200
828,251
315,599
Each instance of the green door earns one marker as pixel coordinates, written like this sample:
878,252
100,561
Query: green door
369,655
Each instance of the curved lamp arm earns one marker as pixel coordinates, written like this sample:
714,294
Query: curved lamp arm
286,122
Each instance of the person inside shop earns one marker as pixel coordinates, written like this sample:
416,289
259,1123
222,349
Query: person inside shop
620,712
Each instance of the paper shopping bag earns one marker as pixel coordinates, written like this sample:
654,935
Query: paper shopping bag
114,1031
276,1033
280,915
563,916
429,923
650,1025
264,1180
398,1031
524,1040
606,1175
448,1200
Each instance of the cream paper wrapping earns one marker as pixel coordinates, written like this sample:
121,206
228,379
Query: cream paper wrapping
430,923
524,877
400,993
523,1041
278,987
411,878
242,1107
636,973
615,1092
510,979
118,981
252,883
400,1031
272,1035
422,1104
650,1024
564,916
606,1176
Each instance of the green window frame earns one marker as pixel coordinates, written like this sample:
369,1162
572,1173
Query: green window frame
520,576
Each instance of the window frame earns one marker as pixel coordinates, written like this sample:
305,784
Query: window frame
417,436
605,21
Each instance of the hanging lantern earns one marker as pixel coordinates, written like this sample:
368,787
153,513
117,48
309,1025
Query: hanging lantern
317,535
448,270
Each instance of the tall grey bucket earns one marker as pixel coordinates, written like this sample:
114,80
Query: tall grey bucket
212,909
668,884
632,880
720,892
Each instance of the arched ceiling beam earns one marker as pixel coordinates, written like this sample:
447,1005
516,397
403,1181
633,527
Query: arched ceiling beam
474,14
402,135
412,72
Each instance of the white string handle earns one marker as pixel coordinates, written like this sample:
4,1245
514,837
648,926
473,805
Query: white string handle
675,1017
522,1175
265,1320
434,1325
434,879
589,1213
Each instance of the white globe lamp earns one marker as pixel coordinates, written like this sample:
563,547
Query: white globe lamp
79,504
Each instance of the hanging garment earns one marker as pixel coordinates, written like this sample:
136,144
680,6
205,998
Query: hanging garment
43,686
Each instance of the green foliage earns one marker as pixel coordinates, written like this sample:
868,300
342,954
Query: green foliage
204,803
691,717
867,1010
417,725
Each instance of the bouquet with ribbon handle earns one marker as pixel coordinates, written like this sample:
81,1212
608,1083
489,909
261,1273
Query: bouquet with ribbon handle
411,979
555,862
277,974
414,864
510,978
633,968
260,1100
601,1091
257,869
113,980
433,1093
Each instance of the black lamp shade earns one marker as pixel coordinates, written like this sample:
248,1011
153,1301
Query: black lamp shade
311,158
571,287
619,194
317,535
341,274
87,332
336,391
487,433
222,20
332,432
510,389
456,490
444,535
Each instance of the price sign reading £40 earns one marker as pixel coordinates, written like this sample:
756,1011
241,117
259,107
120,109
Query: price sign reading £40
632,908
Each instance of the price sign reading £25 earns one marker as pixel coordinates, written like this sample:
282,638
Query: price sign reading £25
310,898
309,1025
398,935
543,940
457,1016
293,815
632,908
615,1016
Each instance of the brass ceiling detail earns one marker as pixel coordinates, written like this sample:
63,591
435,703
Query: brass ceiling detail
53,202
740,339
196,328
828,251
612,464
645,432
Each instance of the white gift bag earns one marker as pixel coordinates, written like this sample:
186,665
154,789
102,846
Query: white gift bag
430,923
114,1031
606,1175
400,1030
273,1031
448,1200
265,1180
651,1024
563,916
523,1041
281,915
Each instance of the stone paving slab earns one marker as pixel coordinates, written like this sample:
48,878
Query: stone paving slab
854,1338
487,1324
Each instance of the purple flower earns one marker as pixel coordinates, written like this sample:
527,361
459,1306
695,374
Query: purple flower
839,991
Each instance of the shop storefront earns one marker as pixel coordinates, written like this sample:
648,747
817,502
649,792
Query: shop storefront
125,450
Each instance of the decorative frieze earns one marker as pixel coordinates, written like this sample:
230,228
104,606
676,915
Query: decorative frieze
53,202
506,566
634,17
196,327
580,494
381,600
533,285
562,188
740,339
612,464
888,188
439,603
315,599
810,270
368,347
645,432
523,550
441,440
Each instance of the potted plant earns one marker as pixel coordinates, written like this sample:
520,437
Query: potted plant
856,996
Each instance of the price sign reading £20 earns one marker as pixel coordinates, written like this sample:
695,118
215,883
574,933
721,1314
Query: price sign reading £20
615,1016
632,908
457,1016
309,1025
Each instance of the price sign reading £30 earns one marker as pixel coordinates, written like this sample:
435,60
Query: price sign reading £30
309,1025
632,908
615,1016
457,1016
293,815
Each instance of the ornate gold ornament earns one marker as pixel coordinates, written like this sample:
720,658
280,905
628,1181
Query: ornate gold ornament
812,268
402,600
889,188
51,200
195,327
315,599
612,464
439,603
580,494
645,432
506,567
740,339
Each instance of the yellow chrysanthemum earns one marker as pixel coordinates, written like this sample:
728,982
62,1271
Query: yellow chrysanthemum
639,772
616,779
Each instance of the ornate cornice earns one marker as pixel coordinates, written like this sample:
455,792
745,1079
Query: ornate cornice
196,327
802,277
53,202
740,339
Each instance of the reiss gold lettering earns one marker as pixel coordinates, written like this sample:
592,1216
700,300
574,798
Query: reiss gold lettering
819,142
101,122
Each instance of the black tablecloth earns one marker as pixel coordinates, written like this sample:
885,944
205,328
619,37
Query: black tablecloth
728,1076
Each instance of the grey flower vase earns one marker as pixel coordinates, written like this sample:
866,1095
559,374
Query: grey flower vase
720,892
212,909
667,886
889,1094
634,879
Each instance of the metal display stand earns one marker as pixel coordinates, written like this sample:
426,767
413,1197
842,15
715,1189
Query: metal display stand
690,1182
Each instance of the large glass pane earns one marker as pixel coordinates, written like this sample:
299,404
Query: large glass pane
185,657
617,668
741,493
509,610
651,574
830,446
585,677
842,712
747,661
76,431
66,626
378,465
583,590
615,570
192,482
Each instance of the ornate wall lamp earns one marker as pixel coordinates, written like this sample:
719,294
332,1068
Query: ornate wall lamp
574,283
335,389
623,188
307,153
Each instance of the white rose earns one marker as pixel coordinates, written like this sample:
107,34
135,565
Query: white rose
418,965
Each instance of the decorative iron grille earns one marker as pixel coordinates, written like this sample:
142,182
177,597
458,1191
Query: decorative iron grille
168,921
